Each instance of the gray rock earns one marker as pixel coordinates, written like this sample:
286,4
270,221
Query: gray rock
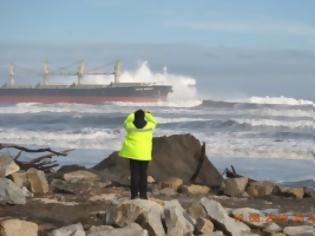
150,180
195,189
215,233
222,220
250,234
168,192
235,187
70,230
172,182
272,228
99,230
152,222
250,216
196,210
11,193
26,192
173,203
204,226
260,189
19,178
292,192
16,227
178,222
130,230
79,175
7,166
37,181
302,230
129,211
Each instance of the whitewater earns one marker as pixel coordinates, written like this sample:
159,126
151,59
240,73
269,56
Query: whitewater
257,134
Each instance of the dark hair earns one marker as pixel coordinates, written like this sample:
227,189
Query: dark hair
139,121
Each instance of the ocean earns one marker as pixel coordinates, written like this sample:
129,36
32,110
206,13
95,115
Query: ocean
264,138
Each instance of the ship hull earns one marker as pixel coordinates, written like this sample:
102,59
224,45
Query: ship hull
138,94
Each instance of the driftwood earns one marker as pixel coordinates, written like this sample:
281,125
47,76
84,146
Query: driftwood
200,161
44,163
233,174
21,148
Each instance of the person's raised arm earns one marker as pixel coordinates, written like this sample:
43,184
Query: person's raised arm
151,119
130,118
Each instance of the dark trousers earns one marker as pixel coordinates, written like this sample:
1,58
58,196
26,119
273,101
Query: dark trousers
138,178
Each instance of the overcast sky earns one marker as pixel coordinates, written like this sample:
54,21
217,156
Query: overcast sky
249,47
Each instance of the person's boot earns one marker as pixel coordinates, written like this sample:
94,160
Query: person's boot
134,196
144,196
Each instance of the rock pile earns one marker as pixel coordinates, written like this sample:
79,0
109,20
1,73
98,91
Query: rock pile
16,186
77,201
164,218
241,186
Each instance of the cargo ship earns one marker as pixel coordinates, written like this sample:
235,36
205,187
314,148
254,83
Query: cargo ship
78,92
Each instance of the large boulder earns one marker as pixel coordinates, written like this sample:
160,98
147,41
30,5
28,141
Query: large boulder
16,227
177,155
10,192
7,166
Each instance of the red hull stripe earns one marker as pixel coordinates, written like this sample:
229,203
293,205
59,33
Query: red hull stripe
76,99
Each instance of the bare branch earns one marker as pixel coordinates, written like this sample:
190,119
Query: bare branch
21,148
44,163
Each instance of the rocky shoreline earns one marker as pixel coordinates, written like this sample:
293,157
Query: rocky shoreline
95,202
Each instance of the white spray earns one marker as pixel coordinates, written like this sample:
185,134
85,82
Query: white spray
184,90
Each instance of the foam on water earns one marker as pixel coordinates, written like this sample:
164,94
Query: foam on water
304,124
279,100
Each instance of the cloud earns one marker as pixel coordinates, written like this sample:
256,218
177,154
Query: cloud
248,27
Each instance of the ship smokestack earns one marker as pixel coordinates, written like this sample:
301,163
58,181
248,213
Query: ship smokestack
11,75
117,71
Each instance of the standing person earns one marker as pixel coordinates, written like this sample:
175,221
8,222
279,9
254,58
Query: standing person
137,147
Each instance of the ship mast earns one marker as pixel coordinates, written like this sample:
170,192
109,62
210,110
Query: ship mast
45,74
11,75
81,72
117,71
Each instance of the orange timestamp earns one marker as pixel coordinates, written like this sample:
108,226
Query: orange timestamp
279,218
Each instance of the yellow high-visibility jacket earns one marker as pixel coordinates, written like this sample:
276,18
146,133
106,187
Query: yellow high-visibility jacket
138,142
